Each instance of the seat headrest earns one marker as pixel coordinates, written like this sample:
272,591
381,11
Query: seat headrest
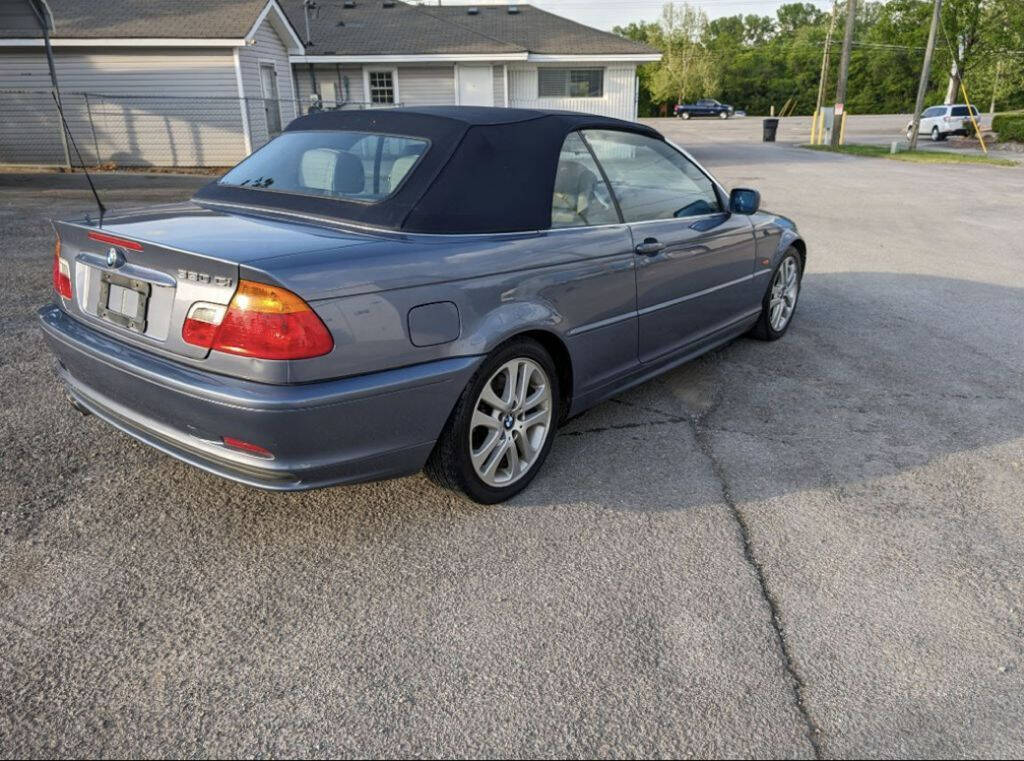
574,184
349,176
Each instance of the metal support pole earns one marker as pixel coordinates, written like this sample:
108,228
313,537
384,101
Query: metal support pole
922,87
44,24
844,66
823,80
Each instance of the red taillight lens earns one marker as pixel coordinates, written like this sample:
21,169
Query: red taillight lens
61,273
201,323
262,321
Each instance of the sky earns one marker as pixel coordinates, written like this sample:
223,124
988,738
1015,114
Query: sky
604,14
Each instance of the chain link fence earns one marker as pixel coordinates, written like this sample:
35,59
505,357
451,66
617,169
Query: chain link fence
139,130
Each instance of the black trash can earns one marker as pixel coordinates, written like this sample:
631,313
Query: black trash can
771,126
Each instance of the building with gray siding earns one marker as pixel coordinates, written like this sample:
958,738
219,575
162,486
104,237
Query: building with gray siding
161,82
493,55
185,83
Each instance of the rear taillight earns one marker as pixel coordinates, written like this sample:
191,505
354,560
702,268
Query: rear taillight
262,321
61,273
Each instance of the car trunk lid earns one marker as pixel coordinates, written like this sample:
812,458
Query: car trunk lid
138,275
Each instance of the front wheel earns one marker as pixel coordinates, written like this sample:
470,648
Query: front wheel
936,135
723,115
502,427
779,303
685,114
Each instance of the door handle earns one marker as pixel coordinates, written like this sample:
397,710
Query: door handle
649,247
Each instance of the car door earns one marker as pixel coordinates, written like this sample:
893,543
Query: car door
597,296
694,260
926,121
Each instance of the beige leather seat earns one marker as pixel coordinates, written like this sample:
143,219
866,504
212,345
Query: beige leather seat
399,168
574,188
332,171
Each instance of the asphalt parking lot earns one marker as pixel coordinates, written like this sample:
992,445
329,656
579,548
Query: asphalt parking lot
868,129
810,548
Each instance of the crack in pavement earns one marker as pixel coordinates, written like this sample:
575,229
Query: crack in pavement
702,434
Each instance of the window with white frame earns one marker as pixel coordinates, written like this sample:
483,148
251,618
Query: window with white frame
381,85
570,83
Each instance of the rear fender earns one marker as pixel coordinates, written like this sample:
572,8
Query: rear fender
508,321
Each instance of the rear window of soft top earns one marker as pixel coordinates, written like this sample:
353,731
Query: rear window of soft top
351,166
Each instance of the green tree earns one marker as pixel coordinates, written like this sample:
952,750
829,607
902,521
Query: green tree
754,62
686,71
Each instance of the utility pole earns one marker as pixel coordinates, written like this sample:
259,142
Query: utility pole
823,81
922,86
844,71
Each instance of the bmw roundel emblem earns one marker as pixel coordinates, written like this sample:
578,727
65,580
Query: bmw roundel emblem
114,258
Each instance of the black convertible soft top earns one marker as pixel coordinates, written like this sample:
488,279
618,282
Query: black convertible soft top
486,170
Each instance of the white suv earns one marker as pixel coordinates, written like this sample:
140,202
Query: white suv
941,121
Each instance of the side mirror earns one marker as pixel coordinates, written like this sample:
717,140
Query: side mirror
744,201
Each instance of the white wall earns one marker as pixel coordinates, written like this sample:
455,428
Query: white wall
165,107
429,85
343,75
619,99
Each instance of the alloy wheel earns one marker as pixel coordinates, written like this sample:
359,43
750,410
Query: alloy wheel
784,292
511,422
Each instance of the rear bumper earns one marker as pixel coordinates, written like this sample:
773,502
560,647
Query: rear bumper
341,431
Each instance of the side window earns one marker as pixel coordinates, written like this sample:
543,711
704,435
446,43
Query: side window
651,179
581,196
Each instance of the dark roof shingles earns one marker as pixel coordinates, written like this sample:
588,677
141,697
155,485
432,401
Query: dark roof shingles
541,32
367,29
191,19
406,29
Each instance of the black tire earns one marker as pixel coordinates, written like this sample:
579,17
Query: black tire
763,329
937,136
449,465
685,114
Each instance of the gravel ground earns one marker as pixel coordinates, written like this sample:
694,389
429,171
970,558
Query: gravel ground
806,548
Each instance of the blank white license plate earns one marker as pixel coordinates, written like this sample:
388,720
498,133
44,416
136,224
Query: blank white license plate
123,300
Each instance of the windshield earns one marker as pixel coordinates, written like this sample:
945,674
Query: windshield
355,166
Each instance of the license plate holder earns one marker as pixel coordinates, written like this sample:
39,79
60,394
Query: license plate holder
131,296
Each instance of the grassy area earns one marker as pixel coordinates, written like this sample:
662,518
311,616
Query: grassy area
917,157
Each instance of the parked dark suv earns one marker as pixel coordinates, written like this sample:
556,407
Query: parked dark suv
704,107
